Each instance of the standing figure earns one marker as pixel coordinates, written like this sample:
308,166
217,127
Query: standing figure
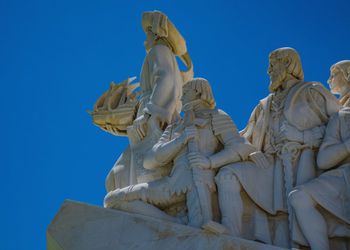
287,127
159,104
322,206
196,148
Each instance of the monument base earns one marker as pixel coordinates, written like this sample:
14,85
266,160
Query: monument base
79,226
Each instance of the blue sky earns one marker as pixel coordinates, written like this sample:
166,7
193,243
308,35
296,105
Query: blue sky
58,57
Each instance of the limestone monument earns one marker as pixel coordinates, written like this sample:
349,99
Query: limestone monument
191,180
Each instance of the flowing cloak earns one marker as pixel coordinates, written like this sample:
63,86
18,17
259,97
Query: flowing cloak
307,105
331,190
161,90
161,84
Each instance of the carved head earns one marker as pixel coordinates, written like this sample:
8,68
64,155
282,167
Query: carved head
197,92
339,80
284,64
150,41
158,27
160,30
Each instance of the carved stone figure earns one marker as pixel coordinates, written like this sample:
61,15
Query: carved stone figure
196,147
322,206
158,102
287,127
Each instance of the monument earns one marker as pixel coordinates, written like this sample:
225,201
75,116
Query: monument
190,180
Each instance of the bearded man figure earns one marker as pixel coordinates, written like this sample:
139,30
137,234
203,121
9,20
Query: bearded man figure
286,127
322,206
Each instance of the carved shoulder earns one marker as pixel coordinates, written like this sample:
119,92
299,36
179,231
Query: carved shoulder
222,123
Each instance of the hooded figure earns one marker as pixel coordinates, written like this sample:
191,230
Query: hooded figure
161,85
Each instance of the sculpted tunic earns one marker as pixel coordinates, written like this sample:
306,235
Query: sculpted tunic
218,139
331,190
161,89
305,105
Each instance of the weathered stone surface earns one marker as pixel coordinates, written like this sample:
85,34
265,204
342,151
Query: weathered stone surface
83,226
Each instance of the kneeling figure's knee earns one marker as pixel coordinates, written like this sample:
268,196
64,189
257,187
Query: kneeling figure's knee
299,199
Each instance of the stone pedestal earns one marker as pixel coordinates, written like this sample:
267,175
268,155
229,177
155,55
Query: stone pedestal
79,226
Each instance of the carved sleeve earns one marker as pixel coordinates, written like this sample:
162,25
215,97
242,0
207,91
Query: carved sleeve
235,147
164,150
332,150
166,84
318,101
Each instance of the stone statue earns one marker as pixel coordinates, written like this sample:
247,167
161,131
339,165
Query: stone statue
157,105
260,184
287,128
322,206
196,147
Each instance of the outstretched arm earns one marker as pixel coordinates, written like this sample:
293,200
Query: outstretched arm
235,147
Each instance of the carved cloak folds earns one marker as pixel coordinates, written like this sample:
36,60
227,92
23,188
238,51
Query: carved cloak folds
307,105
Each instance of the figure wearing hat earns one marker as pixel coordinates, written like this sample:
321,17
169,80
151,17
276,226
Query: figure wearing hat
161,80
159,104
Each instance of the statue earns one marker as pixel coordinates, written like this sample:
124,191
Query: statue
261,183
143,116
286,128
197,146
322,206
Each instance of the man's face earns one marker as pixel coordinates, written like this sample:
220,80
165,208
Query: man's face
149,42
277,71
189,95
336,81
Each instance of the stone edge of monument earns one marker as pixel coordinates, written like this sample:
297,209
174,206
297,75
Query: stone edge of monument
83,226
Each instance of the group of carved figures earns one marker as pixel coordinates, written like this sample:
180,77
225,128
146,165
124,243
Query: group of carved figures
284,180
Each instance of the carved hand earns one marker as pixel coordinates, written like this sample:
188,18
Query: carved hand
198,160
290,133
259,159
315,136
141,125
188,133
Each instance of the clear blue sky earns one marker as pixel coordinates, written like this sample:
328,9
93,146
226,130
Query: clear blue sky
57,57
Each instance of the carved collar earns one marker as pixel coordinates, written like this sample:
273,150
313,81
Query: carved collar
287,85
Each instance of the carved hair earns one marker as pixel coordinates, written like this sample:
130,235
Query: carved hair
202,87
291,59
344,67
